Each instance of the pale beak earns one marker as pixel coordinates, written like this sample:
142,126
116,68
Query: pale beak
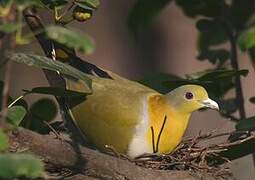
210,104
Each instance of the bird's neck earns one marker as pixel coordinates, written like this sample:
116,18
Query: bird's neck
172,129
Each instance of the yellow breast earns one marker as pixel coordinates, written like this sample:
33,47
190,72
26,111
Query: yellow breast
173,129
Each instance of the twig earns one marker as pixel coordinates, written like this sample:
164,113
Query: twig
160,132
67,9
153,140
224,134
112,150
53,130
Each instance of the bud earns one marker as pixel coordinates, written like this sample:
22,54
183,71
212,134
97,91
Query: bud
81,14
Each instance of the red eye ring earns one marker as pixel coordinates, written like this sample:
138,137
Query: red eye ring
189,95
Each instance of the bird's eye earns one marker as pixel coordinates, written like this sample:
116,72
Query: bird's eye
188,95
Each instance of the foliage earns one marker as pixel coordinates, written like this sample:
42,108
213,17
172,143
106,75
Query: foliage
70,38
55,91
41,113
4,144
246,124
46,63
20,165
247,39
143,12
15,115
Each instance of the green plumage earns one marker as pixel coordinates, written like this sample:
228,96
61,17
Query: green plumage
109,116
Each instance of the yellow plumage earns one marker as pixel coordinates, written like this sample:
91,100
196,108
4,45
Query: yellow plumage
120,113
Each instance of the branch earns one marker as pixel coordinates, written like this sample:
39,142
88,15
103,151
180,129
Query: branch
5,65
234,63
85,162
238,85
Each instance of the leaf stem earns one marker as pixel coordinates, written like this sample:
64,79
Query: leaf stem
16,100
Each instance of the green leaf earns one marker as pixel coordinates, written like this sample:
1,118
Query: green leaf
246,124
16,165
46,63
4,141
54,3
82,7
247,39
9,28
56,91
71,38
88,3
222,74
214,56
211,33
144,12
15,115
44,109
155,81
208,8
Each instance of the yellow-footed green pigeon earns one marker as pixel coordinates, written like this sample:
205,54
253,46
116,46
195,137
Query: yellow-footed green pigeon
135,119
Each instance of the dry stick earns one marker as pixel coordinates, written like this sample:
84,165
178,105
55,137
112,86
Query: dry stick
160,132
155,150
153,140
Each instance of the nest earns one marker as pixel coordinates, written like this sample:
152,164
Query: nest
194,156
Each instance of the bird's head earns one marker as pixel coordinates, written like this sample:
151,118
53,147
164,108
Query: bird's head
188,98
